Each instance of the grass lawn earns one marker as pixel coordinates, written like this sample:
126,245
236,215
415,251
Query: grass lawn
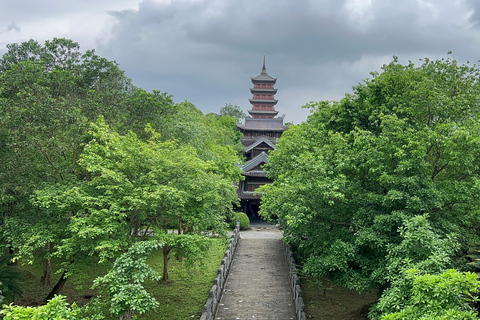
184,296
332,302
181,298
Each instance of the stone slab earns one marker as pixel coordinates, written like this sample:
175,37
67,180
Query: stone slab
258,285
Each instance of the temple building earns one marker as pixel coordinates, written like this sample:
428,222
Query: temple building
260,133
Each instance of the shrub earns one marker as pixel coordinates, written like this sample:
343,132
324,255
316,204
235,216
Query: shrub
244,221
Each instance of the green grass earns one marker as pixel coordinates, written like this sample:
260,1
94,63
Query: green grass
184,296
181,298
75,289
325,300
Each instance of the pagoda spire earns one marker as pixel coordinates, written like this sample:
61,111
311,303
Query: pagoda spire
264,68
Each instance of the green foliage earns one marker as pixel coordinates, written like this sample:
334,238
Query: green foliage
122,287
244,220
184,296
191,248
233,111
180,298
57,308
420,249
141,107
10,280
48,95
134,184
444,296
71,189
404,144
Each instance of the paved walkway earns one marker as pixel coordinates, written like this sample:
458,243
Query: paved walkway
258,284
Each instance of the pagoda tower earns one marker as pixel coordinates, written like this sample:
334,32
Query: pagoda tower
260,133
263,102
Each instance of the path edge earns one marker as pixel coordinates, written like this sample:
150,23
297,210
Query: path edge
295,284
214,295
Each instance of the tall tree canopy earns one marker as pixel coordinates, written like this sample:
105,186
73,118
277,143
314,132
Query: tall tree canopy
233,111
63,182
405,143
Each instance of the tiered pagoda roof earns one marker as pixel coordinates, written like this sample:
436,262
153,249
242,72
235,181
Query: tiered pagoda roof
263,101
264,77
260,133
262,124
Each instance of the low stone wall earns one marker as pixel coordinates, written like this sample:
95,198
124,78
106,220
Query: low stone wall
215,293
295,284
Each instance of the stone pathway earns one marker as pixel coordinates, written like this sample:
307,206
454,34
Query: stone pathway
258,284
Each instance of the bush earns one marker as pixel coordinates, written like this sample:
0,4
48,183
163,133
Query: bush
244,221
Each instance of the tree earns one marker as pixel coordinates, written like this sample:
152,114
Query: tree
403,144
233,111
444,296
65,193
421,252
132,186
49,93
122,287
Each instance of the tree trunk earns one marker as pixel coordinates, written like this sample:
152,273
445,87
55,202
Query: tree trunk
47,272
47,268
58,287
127,315
166,258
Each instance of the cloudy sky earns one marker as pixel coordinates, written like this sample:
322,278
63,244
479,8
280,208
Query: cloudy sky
205,51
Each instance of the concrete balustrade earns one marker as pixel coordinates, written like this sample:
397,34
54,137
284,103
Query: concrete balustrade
295,285
215,293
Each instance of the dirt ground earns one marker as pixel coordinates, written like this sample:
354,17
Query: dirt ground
327,301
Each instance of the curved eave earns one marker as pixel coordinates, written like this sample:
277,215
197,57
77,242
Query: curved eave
259,142
263,78
261,101
262,130
247,195
258,160
256,174
274,112
263,90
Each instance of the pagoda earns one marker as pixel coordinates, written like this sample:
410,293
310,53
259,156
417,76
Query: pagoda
261,130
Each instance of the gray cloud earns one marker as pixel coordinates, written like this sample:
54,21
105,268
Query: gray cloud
13,27
475,11
206,51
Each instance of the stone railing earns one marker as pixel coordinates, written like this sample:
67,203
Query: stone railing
295,284
215,293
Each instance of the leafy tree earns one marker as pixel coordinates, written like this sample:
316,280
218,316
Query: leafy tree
444,296
122,286
403,144
64,194
49,93
224,132
141,107
421,250
132,186
233,111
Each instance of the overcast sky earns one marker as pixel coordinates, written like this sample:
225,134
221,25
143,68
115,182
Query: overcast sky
205,51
